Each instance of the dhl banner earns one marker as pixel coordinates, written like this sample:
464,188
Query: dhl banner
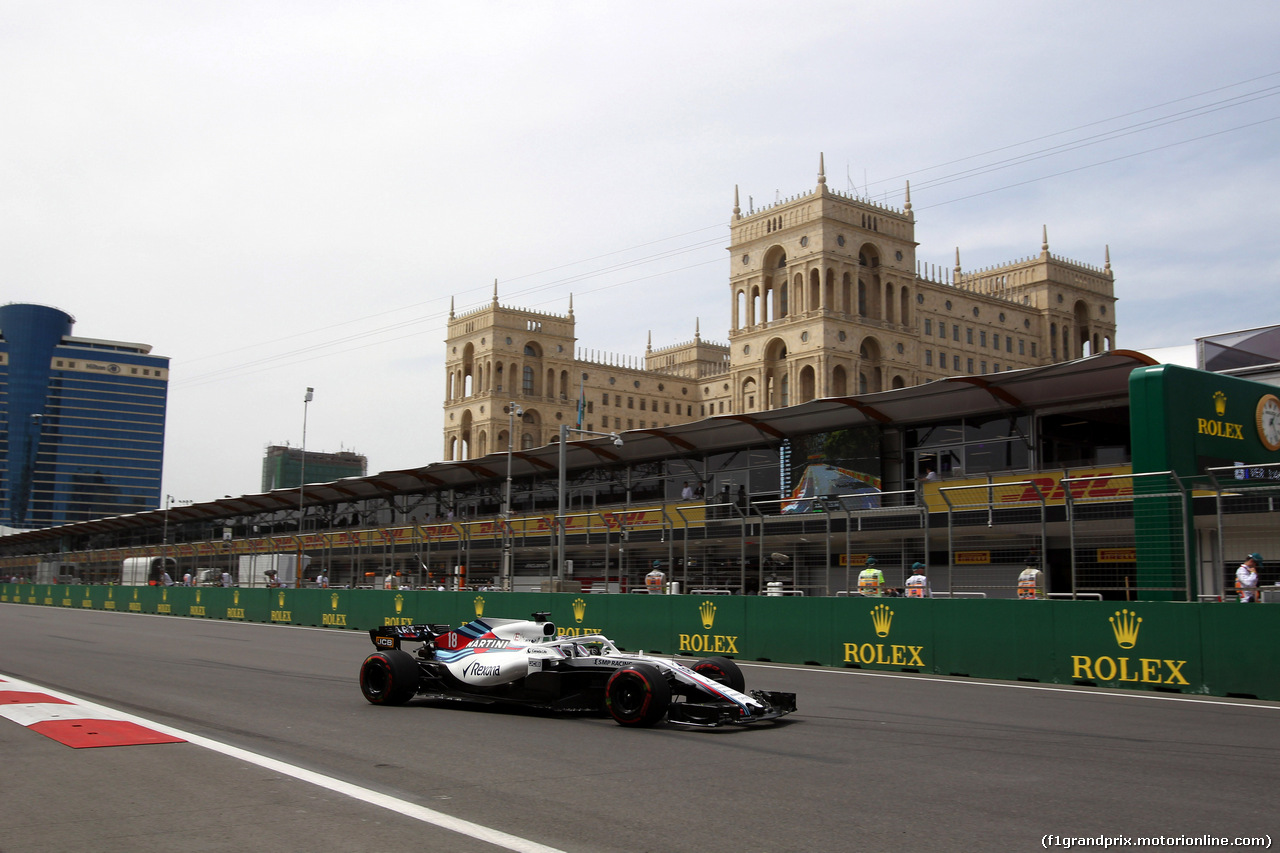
1112,481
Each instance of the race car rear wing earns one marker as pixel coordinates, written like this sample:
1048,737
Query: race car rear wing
390,636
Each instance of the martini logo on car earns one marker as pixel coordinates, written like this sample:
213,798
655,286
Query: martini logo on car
1125,625
726,644
884,654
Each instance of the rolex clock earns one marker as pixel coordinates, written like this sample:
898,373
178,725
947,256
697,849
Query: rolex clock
1269,421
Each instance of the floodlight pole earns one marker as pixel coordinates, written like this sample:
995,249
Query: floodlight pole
565,429
507,545
302,485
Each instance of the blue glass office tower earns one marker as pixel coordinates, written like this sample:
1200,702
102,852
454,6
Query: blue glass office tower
82,422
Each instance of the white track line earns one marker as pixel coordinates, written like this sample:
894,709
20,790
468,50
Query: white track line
355,792
1108,692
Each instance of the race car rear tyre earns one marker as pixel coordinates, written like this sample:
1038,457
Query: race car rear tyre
638,695
721,671
389,677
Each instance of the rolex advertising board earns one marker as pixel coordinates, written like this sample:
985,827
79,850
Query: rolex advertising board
1187,421
885,633
1129,644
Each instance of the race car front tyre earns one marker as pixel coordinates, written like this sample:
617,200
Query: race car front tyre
638,695
721,671
389,677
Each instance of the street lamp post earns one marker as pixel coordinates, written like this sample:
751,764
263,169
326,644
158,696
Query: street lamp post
565,429
302,485
514,411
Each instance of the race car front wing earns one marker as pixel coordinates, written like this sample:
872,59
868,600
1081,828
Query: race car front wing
711,714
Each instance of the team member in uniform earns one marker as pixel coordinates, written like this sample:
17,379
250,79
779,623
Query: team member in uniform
871,579
656,580
1247,578
918,583
1031,581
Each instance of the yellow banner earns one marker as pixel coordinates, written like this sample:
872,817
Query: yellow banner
1113,481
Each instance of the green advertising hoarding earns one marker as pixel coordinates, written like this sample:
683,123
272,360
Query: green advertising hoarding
1187,421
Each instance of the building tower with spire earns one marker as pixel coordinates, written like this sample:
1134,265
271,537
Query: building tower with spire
827,299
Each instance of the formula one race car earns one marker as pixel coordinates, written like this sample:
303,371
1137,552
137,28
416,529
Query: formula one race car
521,662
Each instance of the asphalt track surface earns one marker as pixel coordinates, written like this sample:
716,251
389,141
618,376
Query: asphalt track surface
870,762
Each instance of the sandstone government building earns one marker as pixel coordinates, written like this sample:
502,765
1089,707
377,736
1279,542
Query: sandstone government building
826,299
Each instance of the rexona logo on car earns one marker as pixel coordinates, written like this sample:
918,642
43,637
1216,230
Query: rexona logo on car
1125,627
725,644
884,654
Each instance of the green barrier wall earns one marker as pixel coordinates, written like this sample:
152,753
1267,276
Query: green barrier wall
1215,648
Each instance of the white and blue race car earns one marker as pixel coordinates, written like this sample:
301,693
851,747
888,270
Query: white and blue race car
522,662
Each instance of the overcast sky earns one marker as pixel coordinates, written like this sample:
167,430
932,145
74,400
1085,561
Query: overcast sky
278,195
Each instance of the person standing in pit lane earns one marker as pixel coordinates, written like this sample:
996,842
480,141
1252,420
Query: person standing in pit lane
1247,579
918,583
1031,581
871,580
656,581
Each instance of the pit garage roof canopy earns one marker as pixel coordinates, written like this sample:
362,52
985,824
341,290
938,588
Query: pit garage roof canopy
1083,383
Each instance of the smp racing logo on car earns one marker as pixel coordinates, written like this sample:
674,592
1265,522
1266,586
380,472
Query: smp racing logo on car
579,613
883,654
1125,626
332,619
708,642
